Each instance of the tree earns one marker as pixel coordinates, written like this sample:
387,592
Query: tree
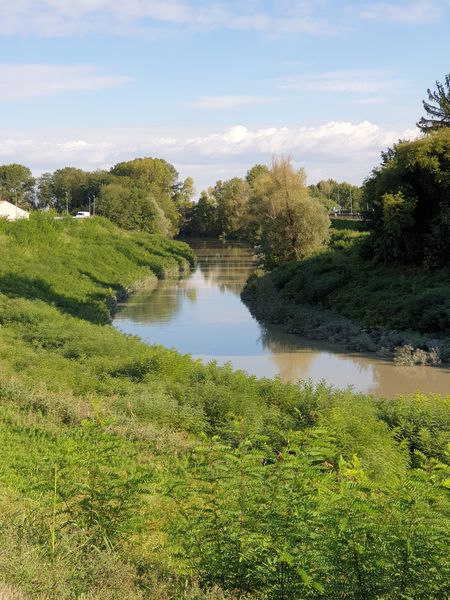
17,185
231,198
133,209
408,197
67,189
202,218
159,178
255,172
182,197
291,224
437,108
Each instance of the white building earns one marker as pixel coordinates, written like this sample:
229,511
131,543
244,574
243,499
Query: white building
11,212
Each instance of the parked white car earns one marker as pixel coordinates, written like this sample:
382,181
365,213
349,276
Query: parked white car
82,214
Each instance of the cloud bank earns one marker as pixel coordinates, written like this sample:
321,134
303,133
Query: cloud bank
56,18
343,149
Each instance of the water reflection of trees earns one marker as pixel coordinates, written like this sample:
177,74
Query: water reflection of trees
294,357
228,267
159,306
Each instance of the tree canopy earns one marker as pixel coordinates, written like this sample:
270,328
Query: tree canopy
17,185
148,186
271,207
132,208
408,197
437,108
291,224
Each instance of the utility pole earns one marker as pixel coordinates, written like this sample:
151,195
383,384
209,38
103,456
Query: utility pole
67,203
351,202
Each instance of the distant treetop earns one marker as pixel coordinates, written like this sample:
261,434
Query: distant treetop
437,109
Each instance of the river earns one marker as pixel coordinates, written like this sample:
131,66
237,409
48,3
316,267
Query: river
204,316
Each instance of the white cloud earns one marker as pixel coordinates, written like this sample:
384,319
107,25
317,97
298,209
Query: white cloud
412,12
353,81
335,149
226,102
55,18
20,82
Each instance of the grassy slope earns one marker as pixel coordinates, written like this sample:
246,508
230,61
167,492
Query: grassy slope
392,298
113,425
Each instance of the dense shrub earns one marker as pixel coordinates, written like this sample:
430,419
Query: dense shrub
408,199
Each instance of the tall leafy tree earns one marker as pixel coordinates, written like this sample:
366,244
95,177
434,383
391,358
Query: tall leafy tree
131,208
17,185
291,224
255,172
202,218
409,201
437,108
159,178
182,196
231,198
67,189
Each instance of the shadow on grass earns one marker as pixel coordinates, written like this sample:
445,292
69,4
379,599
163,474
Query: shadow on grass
94,308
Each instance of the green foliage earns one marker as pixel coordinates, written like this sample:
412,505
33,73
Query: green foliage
290,224
202,219
338,223
80,266
158,178
141,194
303,522
100,484
231,198
338,279
16,185
194,482
408,200
437,108
66,190
271,208
131,209
337,196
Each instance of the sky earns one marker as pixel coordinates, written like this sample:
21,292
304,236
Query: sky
216,86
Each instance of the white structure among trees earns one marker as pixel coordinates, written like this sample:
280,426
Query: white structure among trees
11,212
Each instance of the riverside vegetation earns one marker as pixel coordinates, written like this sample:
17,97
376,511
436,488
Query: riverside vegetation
403,313
388,289
133,472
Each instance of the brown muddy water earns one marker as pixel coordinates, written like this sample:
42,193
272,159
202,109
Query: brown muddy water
204,316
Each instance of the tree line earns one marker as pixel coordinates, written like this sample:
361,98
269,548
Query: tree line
141,194
227,209
405,200
271,208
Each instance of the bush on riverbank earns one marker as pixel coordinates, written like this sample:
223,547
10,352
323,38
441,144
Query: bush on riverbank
131,471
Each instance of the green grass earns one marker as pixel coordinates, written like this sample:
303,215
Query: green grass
376,295
130,471
341,223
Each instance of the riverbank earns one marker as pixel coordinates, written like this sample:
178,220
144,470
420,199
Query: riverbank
339,297
131,471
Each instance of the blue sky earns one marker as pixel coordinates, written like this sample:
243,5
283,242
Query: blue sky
214,87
